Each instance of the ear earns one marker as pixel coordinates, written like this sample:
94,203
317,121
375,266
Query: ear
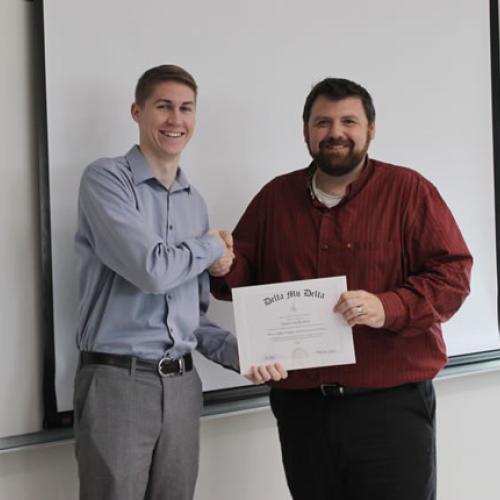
371,131
134,111
305,131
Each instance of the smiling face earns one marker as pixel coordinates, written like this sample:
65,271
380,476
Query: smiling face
166,121
338,135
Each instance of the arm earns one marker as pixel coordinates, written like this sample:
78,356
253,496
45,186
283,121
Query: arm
122,239
439,263
437,273
214,343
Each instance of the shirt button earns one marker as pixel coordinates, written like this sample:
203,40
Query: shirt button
349,245
169,297
324,247
170,227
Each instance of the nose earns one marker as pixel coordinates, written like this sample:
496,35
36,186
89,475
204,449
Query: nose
336,130
174,117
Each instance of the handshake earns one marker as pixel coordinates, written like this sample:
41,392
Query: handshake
222,266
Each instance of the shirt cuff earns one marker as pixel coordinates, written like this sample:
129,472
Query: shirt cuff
231,358
207,247
396,313
220,289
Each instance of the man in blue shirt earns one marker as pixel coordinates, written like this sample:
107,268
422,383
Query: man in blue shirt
144,247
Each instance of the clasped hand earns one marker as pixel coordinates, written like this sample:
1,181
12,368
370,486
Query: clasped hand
222,266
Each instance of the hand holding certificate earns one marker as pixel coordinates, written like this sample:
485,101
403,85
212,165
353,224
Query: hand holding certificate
293,324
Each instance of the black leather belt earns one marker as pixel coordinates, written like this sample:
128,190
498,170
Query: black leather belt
165,367
339,391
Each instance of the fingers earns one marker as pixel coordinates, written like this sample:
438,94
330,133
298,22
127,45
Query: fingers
222,266
227,238
348,300
265,373
359,307
277,372
350,307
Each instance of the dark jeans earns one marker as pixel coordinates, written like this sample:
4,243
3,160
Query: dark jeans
373,446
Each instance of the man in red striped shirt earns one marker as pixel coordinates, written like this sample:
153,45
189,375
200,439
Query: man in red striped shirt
364,430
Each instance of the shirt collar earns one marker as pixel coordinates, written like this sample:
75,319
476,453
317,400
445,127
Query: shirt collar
141,171
352,189
181,182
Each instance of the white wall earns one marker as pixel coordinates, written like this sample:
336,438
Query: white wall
468,433
240,460
240,457
240,453
19,283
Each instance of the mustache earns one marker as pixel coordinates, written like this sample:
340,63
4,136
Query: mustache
330,142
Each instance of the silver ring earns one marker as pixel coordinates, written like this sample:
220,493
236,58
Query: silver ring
359,310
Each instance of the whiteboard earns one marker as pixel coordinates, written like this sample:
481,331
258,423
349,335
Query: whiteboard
426,64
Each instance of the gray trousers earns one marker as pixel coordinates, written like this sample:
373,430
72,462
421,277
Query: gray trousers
137,434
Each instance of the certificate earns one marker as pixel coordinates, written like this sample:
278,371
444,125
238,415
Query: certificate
292,323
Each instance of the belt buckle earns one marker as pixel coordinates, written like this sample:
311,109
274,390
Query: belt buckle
324,388
180,361
164,362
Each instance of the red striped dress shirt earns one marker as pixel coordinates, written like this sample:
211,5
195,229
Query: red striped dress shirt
391,235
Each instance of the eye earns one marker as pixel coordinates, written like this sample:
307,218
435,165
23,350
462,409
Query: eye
186,109
163,107
322,123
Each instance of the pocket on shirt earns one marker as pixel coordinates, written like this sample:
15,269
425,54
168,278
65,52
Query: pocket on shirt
375,252
376,265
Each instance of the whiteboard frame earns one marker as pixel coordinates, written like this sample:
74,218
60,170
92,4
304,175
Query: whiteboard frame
64,435
237,395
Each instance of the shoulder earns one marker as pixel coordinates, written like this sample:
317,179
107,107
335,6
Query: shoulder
286,183
107,167
108,173
401,176
107,179
281,190
399,172
291,178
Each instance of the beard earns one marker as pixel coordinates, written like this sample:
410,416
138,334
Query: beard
338,164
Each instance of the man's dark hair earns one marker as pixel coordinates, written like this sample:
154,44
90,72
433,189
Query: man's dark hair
164,73
336,89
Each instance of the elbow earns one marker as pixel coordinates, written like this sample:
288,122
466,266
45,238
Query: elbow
153,275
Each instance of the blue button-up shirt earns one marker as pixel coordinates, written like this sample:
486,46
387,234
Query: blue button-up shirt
143,252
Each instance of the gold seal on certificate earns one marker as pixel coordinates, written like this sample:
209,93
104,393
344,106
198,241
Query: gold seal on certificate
292,323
